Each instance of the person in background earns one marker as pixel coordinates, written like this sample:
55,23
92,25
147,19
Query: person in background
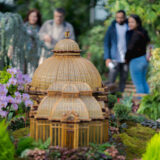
115,46
32,24
136,53
54,30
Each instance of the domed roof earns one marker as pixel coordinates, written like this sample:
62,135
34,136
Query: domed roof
65,105
67,47
46,106
72,96
66,68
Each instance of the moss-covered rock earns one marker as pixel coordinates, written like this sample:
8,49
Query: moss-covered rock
135,140
20,133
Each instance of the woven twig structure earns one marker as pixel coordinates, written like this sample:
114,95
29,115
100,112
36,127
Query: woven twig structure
69,114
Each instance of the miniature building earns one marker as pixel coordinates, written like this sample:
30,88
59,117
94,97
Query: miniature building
68,114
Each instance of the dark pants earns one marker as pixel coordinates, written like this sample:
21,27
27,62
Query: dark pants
122,69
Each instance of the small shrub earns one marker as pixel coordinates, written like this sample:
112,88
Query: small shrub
20,133
153,148
150,105
6,147
112,99
23,144
119,94
42,145
121,111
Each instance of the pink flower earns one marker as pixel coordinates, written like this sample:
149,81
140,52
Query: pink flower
3,98
3,113
28,103
25,97
12,81
12,71
10,99
27,79
18,100
20,87
20,80
18,95
3,90
15,106
3,104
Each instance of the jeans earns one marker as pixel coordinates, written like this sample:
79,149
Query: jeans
138,69
121,68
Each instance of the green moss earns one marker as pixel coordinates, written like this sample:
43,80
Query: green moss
135,140
20,133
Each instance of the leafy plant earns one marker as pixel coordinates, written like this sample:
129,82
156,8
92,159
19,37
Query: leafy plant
17,123
121,111
149,105
112,99
42,145
119,94
127,100
23,144
96,152
153,147
6,147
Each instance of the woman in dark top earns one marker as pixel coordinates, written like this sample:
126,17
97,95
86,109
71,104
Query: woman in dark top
136,53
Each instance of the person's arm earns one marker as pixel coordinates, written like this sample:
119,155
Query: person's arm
43,32
107,46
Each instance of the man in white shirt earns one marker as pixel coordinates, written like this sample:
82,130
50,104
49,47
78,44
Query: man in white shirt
53,31
115,46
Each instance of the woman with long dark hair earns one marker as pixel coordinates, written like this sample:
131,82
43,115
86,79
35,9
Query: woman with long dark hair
33,19
136,53
32,24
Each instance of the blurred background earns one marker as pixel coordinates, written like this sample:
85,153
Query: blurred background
90,19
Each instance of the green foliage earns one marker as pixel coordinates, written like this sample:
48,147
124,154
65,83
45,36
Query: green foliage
77,12
121,111
96,152
148,10
135,139
42,145
127,100
154,71
112,99
118,94
6,147
4,77
149,105
92,45
153,148
20,133
17,123
24,143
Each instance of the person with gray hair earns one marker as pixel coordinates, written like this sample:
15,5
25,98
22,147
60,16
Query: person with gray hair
54,30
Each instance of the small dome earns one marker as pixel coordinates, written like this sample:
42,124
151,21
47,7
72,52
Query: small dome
70,90
65,105
46,106
93,107
66,47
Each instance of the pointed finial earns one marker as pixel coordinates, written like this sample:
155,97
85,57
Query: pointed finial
67,34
